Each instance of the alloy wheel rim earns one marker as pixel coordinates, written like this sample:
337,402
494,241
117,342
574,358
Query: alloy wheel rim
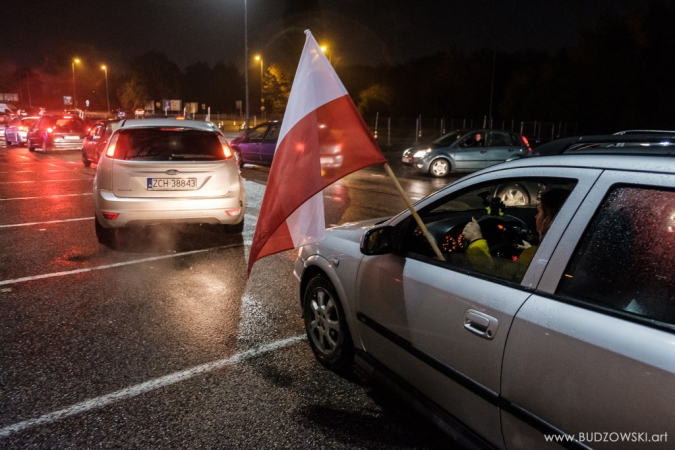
439,167
324,323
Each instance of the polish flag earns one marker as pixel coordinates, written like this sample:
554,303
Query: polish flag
322,139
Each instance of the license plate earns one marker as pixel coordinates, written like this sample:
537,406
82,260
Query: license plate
171,184
71,138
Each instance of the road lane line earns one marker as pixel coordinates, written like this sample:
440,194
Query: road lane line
42,223
112,266
47,196
44,181
147,386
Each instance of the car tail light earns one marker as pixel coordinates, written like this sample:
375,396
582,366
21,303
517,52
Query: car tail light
227,152
233,212
529,149
22,128
50,130
110,215
110,151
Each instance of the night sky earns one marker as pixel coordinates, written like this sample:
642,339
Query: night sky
357,31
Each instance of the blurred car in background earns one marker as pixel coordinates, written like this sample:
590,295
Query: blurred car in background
56,133
257,145
465,151
16,131
96,141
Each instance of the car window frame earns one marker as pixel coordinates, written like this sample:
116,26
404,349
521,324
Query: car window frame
559,260
586,178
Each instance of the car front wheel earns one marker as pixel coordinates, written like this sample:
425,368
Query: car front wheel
326,325
439,168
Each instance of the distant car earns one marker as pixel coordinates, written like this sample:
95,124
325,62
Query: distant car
257,145
97,140
51,133
465,151
7,114
560,344
157,171
16,131
646,140
139,112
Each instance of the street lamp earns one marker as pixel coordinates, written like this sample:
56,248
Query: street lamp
246,59
324,49
75,60
105,69
262,99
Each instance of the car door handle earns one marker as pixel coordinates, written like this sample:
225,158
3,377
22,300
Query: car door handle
480,324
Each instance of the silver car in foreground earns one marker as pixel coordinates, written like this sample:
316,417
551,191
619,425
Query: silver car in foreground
167,171
565,341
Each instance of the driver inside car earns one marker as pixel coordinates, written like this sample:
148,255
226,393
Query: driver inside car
478,251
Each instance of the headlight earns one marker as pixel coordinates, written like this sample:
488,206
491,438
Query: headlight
421,153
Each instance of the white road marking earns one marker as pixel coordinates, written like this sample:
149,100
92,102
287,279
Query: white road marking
44,181
41,223
111,266
48,196
148,386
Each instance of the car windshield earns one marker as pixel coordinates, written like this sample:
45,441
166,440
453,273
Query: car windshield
69,125
169,144
28,122
450,138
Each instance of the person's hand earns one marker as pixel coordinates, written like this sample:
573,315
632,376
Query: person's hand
471,231
525,245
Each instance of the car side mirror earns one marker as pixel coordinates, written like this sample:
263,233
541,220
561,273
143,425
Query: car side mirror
378,241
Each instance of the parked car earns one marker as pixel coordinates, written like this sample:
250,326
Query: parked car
646,140
53,132
157,171
465,151
97,140
257,145
508,351
16,131
7,114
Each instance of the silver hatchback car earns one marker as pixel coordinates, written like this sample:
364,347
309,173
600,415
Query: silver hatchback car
167,171
553,326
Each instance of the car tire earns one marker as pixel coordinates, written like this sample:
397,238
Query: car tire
45,147
31,147
105,236
326,325
440,168
514,195
85,161
237,228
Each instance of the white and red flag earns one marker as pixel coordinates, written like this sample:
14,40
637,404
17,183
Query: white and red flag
322,139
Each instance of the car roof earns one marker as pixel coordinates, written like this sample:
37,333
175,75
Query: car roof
632,162
654,143
167,122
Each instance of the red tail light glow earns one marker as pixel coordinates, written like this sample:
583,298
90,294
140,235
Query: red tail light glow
233,212
22,128
529,149
111,150
50,130
227,152
110,215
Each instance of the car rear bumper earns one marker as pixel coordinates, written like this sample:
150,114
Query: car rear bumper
65,145
151,211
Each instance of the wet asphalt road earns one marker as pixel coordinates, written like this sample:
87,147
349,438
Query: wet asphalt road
164,343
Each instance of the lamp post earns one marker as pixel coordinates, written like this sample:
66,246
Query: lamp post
105,69
246,61
75,60
262,99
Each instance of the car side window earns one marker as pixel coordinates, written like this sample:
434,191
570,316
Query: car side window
506,233
258,133
499,139
625,259
274,132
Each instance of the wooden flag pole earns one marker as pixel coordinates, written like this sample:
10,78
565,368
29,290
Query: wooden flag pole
418,219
